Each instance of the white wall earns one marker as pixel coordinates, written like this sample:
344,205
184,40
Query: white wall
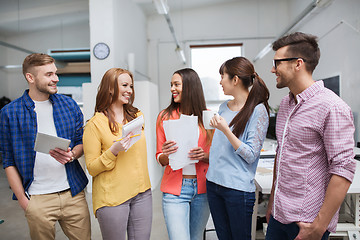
110,23
253,23
130,34
67,36
146,100
122,25
340,48
263,66
3,73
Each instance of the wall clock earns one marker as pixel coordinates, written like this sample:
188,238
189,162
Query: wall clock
101,51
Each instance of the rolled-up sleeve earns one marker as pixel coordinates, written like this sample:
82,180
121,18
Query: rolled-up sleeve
79,126
339,142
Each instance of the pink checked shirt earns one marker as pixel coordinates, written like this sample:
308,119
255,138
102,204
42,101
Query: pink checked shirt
315,140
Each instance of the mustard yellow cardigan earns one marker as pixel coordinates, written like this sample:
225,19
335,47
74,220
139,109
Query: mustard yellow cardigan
116,179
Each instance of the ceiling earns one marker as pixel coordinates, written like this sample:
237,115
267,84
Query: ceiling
177,5
23,16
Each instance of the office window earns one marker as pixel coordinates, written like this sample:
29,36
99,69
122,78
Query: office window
206,61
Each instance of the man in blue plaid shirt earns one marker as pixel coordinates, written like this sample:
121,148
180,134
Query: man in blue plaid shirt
49,187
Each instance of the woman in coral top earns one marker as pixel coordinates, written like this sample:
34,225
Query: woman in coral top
185,206
121,194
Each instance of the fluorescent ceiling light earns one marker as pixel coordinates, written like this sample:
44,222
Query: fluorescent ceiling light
323,3
181,54
161,6
292,26
10,66
263,52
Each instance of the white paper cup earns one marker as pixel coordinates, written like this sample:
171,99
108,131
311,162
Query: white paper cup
207,116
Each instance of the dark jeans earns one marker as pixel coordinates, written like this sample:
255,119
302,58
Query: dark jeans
231,211
278,231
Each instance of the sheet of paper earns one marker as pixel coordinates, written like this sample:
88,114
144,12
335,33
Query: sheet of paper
267,163
134,127
265,166
185,133
44,143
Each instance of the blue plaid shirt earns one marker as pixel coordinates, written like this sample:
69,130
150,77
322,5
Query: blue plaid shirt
18,128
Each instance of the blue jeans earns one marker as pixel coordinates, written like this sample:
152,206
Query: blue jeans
278,231
186,215
231,211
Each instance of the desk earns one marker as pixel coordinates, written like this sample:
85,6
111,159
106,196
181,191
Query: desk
263,181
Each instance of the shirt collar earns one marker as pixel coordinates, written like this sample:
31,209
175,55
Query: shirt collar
29,103
309,92
52,98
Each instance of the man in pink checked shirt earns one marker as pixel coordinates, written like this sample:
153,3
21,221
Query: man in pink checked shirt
314,163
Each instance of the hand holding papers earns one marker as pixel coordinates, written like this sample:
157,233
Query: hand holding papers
134,127
185,133
44,143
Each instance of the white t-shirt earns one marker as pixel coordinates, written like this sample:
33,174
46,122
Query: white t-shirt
189,169
49,175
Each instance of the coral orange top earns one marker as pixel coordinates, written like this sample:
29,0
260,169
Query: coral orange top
172,180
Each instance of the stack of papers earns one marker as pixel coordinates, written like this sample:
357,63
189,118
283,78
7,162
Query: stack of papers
185,132
134,127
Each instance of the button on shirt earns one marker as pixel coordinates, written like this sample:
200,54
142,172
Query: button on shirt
315,140
18,130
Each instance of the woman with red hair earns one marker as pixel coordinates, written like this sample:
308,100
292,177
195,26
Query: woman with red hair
122,199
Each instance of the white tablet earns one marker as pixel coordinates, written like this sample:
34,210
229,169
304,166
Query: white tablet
44,143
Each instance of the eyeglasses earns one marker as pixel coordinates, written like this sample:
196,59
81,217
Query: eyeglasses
276,61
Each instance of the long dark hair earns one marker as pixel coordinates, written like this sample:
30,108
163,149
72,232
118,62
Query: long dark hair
259,93
108,93
192,98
